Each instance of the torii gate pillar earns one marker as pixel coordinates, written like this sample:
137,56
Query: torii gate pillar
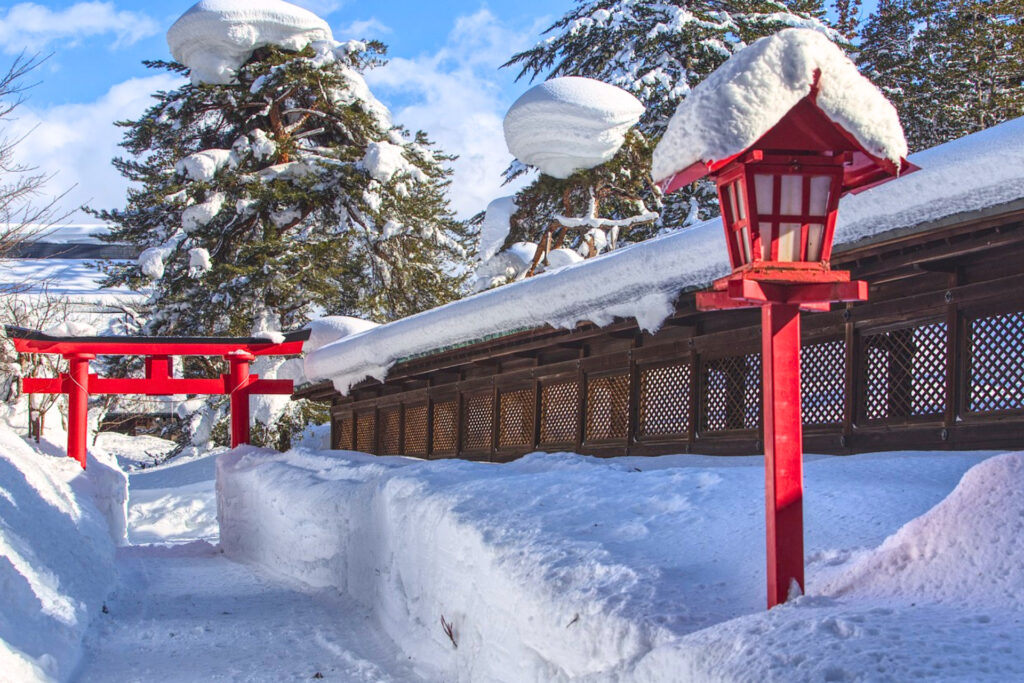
77,389
239,378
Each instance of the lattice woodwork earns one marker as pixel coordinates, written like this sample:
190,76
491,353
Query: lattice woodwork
607,407
366,432
515,426
905,373
416,429
996,373
345,432
664,401
559,410
391,431
444,427
731,393
477,419
823,382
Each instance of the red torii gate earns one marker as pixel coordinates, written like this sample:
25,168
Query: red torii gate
78,382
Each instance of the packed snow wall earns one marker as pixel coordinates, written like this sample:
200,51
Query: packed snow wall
59,526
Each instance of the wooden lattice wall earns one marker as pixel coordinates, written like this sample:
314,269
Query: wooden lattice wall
935,359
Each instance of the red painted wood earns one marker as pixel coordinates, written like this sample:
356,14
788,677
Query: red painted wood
238,381
126,347
159,380
783,446
78,405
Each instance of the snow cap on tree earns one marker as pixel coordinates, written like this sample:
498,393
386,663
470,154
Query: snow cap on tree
571,123
216,37
745,97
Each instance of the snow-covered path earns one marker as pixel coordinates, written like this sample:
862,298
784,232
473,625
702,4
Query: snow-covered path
184,612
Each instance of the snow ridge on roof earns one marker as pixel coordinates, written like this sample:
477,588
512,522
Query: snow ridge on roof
216,37
745,97
643,280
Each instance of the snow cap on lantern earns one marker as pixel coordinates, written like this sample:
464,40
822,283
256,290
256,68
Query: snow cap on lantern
570,123
785,126
216,37
749,94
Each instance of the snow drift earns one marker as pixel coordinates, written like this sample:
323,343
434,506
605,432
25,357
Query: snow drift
558,566
58,528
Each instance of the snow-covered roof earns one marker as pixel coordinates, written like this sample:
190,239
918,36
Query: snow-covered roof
76,280
569,123
644,280
745,97
216,37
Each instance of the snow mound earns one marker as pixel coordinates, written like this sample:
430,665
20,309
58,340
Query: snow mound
216,37
496,226
570,123
745,97
58,528
965,550
332,328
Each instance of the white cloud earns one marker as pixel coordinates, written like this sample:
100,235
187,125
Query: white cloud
31,27
77,141
459,97
362,28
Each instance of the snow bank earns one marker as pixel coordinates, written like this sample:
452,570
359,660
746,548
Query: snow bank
982,170
58,527
569,123
745,97
940,556
942,598
560,566
216,37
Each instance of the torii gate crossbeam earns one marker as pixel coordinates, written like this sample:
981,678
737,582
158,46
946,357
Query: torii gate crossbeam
78,383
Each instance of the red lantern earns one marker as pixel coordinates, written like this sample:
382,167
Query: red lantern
779,199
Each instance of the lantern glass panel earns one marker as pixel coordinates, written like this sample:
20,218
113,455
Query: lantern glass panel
741,209
763,188
815,233
743,238
820,186
792,195
789,241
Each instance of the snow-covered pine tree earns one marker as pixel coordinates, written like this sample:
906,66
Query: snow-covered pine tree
659,51
951,67
282,193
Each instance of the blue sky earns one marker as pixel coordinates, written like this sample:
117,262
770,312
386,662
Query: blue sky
443,78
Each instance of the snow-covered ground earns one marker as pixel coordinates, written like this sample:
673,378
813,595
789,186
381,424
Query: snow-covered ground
554,567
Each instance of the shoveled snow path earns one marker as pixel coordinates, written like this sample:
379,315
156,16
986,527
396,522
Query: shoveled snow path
186,613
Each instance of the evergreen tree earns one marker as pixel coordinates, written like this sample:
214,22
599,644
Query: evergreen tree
658,51
951,67
283,195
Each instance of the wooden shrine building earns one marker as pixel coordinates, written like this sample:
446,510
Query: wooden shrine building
933,360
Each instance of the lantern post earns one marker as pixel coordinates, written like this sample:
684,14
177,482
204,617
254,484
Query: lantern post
779,200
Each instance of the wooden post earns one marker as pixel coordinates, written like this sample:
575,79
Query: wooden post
783,445
77,389
238,388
